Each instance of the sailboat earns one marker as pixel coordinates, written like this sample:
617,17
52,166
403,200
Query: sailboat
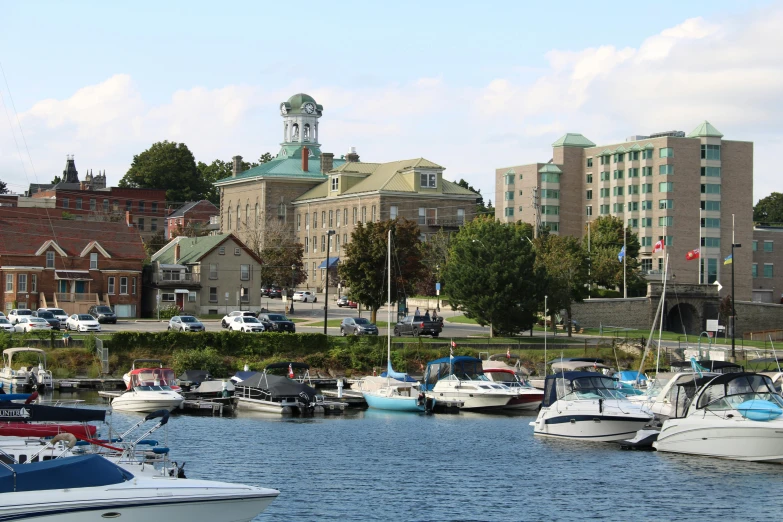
394,394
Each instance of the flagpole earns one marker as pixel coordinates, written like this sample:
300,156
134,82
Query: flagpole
733,298
625,254
589,263
665,251
700,246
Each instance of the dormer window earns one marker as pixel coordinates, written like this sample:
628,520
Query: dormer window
93,261
429,180
50,259
335,183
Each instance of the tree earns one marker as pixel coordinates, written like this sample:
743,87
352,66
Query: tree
3,187
192,229
279,251
769,209
492,275
56,180
364,271
606,241
170,166
481,209
565,262
434,254
155,243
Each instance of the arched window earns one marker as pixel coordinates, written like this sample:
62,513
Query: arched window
239,217
247,215
307,242
256,219
228,226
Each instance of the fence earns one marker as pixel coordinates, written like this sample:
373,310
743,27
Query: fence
764,335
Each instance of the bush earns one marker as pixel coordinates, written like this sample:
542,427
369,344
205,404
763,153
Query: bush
167,311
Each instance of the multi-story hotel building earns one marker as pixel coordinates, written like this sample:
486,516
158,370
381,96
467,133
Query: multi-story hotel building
683,188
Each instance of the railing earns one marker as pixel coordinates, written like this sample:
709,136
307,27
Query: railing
176,277
75,298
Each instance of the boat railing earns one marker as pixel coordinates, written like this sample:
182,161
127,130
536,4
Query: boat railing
247,392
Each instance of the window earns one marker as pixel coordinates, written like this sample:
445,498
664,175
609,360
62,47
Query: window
550,209
668,152
549,193
92,204
154,224
633,155
94,261
589,178
331,217
646,265
665,170
222,251
712,242
646,222
105,205
633,189
647,188
647,154
668,241
754,270
711,152
666,186
617,191
229,221
647,204
712,172
21,283
508,212
618,158
323,219
665,221
712,270
50,259
710,188
154,206
423,215
618,174
364,214
604,192
140,223
550,177
337,242
710,222
337,217
345,216
315,243
124,285
79,204
431,180
617,208
755,245
33,283
665,204
605,176
315,219
244,272
335,183
604,210
9,282
141,207
65,203
111,285
589,194
509,179
645,241
633,223
306,244
553,227
115,205
393,212
345,239
768,270
128,205
633,173
213,271
589,210
646,171
520,192
589,162
710,205
509,195
213,294
354,216
298,222
767,246
460,216
237,251
133,286
604,160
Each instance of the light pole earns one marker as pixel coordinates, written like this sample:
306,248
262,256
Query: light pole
329,235
733,311
293,273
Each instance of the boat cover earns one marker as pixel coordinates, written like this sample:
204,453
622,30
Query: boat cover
279,386
195,376
462,366
243,375
631,375
550,388
66,473
12,411
285,365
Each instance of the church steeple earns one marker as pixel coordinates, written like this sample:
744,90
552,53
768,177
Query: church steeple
70,175
300,126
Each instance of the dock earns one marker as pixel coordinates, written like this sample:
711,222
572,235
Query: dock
100,383
351,399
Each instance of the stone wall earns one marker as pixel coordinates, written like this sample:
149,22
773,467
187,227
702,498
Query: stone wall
755,317
626,313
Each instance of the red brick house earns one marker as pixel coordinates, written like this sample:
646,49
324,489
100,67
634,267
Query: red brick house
69,264
194,215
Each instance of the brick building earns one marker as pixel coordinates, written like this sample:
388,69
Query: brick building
193,217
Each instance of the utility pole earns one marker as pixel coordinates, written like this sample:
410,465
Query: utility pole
733,310
536,210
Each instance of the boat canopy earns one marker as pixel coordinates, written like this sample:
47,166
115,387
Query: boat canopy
151,377
462,366
723,391
13,411
631,375
12,351
561,384
243,375
712,366
73,472
766,363
195,376
581,359
576,365
285,365
279,387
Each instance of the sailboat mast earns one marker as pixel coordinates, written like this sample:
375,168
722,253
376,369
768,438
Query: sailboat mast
663,310
388,308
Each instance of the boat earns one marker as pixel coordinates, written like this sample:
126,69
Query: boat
663,394
591,361
528,398
36,420
199,385
270,393
462,379
90,487
587,406
398,393
25,378
734,415
149,389
708,365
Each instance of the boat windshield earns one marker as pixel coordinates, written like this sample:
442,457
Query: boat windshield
587,388
151,378
728,395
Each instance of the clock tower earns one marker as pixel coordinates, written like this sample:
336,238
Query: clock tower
300,126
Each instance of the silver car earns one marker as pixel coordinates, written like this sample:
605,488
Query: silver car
357,326
185,323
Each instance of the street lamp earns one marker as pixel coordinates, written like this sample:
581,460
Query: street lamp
329,235
293,273
733,296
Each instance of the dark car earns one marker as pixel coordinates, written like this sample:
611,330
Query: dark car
275,292
265,290
344,301
103,314
49,318
357,326
277,323
417,325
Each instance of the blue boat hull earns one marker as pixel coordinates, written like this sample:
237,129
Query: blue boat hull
393,403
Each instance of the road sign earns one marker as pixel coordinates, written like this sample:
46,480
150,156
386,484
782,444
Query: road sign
437,287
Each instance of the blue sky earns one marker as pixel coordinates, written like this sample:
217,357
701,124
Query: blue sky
471,87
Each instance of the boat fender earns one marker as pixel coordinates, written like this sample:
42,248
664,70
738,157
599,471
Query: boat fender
600,405
68,437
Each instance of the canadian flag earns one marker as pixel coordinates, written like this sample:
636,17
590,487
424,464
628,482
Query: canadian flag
659,245
290,371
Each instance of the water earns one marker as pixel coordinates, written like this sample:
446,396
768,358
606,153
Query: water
379,466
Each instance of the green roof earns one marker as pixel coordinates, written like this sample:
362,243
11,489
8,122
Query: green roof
649,146
705,130
573,140
191,249
620,149
295,103
606,152
283,167
635,147
550,167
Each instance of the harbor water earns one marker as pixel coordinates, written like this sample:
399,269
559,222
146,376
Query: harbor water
371,465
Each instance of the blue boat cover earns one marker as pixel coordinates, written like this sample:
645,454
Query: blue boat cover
69,472
462,366
760,410
630,375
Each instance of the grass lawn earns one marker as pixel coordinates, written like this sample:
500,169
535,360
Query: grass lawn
461,319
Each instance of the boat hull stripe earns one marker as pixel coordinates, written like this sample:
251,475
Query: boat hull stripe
587,418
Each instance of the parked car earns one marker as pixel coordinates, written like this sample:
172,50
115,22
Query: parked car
236,313
357,326
275,292
28,324
48,317
277,323
265,290
305,296
15,315
417,325
244,323
83,323
59,313
2,314
6,326
344,301
103,314
185,323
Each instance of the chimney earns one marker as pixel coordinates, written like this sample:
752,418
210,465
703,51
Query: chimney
327,162
237,168
176,253
305,159
352,156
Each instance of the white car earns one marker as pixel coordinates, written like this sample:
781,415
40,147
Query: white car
305,296
6,326
59,313
83,323
29,324
16,315
245,324
230,317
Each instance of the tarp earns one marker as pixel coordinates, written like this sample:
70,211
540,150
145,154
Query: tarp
12,411
630,375
284,366
194,376
68,473
279,387
332,261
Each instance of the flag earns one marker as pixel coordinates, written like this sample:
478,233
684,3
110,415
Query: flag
290,371
728,260
697,367
595,366
508,353
691,255
658,245
451,350
621,255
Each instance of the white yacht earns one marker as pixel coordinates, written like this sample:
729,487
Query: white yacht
25,377
587,406
732,416
663,393
462,379
149,389
528,398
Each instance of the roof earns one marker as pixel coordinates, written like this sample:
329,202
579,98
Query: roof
294,103
193,249
550,168
283,167
573,140
705,130
184,208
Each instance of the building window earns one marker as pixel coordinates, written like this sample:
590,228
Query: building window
665,204
754,270
331,217
298,222
140,223
646,171
710,222
191,297
9,282
78,203
393,212
589,210
372,215
364,214
315,243
115,205
617,208
509,195
646,265
92,204
229,220
604,160
423,215
345,217
509,212
65,203
337,242
509,179
668,241
128,205
633,206
633,223
633,189
645,241
213,294
550,209
647,188
665,170
617,191
429,180
589,162
354,216
154,224
711,172
33,283
222,251
666,186
604,210
712,270
633,173
323,219
710,152
589,194
768,270
646,222
21,283
710,242
618,174
124,285
244,272
605,176
647,154
306,244
50,259
589,178
213,271
93,261
460,216
667,152
755,245
767,246
133,286
154,206
111,285
141,206
315,219
335,183
323,243
633,155
647,204
237,251
105,205
337,216
710,205
665,221
710,188
550,177
619,158
550,194
604,192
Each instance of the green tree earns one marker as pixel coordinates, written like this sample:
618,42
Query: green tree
606,241
434,254
565,262
769,209
169,166
56,180
3,187
279,251
481,209
492,275
364,271
154,243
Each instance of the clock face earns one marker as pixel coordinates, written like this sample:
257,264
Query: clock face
309,108
283,110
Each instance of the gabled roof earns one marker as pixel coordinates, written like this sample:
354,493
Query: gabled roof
606,152
620,149
194,249
705,130
97,246
635,147
649,146
187,207
550,167
573,140
51,244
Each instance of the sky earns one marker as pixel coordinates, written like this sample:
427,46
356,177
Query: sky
473,87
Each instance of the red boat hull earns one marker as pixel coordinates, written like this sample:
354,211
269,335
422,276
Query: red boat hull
24,429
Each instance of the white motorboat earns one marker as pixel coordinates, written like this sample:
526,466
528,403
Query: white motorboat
528,398
149,389
462,379
587,406
732,416
87,488
663,393
25,377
